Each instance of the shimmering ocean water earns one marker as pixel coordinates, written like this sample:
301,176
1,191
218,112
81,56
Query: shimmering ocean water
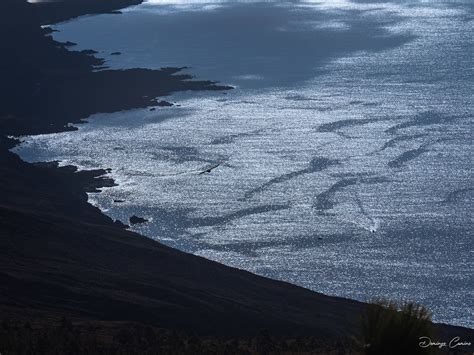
342,156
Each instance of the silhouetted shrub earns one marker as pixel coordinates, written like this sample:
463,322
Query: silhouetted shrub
391,328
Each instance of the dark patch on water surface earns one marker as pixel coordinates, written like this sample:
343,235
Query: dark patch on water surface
363,177
231,138
280,43
361,174
315,165
300,98
325,200
457,195
334,126
212,221
422,119
393,142
407,156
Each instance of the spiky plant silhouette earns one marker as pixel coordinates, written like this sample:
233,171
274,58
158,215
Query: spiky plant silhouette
395,328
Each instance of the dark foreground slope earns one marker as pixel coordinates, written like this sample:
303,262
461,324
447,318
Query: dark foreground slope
61,257
66,267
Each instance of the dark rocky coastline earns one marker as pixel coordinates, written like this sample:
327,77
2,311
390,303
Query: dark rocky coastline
58,11
61,257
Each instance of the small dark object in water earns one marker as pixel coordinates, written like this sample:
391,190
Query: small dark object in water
135,220
153,109
163,103
115,53
320,238
119,201
208,170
